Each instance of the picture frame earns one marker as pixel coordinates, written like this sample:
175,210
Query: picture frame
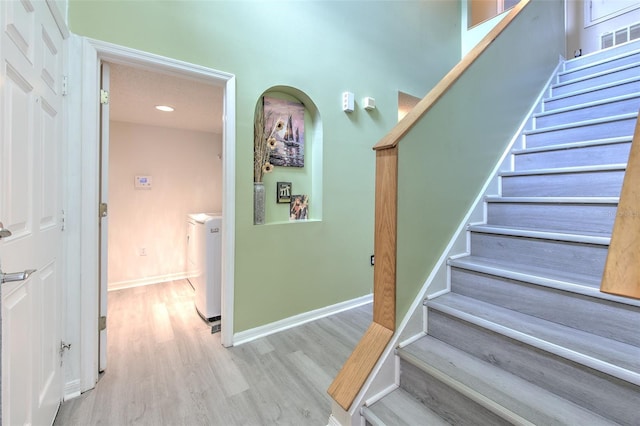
283,192
299,207
284,122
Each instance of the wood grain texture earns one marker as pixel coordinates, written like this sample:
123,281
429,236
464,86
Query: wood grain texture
622,270
184,376
359,365
386,215
393,137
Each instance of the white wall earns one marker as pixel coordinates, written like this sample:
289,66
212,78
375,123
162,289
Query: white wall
588,38
187,178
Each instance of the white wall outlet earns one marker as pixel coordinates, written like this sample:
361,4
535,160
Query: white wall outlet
348,101
143,251
143,182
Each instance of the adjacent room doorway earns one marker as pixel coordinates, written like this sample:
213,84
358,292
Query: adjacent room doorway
94,55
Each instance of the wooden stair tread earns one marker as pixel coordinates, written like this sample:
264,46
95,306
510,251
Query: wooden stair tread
592,89
399,408
612,357
583,284
595,74
580,124
580,106
512,397
543,234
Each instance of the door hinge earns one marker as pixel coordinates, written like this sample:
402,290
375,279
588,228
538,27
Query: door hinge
104,96
103,210
65,85
62,221
102,323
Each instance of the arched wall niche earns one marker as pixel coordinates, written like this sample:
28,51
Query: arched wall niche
306,180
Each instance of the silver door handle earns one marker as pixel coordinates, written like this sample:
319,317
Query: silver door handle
16,276
4,232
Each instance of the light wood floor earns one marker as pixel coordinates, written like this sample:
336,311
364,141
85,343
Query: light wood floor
166,368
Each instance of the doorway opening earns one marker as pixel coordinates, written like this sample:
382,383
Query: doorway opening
164,165
129,62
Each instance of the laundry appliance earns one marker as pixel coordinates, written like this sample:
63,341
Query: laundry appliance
204,261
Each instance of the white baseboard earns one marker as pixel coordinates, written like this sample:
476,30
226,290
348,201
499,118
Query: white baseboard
71,390
296,320
119,285
333,421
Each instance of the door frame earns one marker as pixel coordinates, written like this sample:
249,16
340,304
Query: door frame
93,52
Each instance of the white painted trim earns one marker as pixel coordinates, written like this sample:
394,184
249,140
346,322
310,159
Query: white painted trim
444,291
71,390
333,421
410,340
95,51
228,212
377,397
140,282
296,320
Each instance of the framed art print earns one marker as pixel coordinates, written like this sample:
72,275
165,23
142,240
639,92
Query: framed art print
283,192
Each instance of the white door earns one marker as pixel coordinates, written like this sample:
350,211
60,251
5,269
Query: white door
31,119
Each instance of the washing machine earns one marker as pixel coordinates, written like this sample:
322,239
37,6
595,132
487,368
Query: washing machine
204,261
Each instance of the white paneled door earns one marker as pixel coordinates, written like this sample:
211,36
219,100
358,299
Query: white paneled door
31,117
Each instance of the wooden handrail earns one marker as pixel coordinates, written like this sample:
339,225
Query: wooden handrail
622,271
360,364
393,137
345,387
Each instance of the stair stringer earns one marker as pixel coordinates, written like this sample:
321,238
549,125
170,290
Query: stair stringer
385,377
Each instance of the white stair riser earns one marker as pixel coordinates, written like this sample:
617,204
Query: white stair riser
577,258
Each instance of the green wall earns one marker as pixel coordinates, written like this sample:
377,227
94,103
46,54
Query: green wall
322,48
447,157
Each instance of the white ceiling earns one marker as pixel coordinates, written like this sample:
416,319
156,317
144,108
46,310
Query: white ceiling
134,93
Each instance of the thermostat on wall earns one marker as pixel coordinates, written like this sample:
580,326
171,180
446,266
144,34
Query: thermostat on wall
143,182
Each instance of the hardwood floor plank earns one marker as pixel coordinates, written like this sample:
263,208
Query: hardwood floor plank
160,324
166,368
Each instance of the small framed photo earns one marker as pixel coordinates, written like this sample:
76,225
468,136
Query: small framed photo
299,207
283,192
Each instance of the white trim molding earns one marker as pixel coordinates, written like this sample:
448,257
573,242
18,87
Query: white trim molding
333,421
93,52
121,285
71,390
296,320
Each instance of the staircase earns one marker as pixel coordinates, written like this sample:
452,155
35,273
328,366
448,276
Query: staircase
525,337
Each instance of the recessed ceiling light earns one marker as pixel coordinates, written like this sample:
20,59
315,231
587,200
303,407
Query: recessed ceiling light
165,108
